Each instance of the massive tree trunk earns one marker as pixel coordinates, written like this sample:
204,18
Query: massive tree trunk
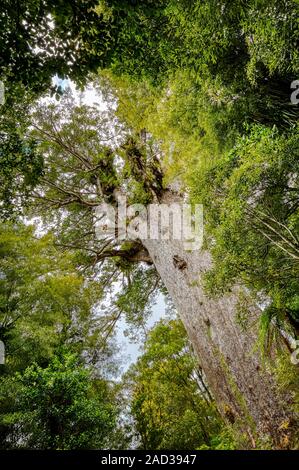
244,389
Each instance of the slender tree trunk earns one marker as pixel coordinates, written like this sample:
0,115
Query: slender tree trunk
244,389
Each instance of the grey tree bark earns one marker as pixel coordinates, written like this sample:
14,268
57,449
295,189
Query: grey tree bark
245,391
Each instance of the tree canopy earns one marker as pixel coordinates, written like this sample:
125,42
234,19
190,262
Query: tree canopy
198,107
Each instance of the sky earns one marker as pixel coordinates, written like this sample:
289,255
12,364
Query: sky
131,350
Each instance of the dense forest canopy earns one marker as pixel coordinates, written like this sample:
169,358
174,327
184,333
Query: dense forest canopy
196,104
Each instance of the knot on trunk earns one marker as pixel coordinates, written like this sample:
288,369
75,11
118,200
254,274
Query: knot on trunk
179,263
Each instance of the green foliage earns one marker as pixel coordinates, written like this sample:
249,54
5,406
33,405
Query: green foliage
170,405
209,37
51,395
57,407
41,38
272,32
241,62
288,378
21,164
251,197
44,302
